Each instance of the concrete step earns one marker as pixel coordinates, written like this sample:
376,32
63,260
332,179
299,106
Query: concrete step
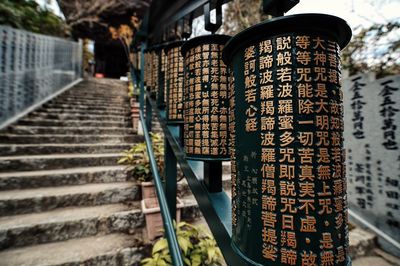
59,148
68,130
73,123
106,250
68,223
69,116
56,161
14,202
52,138
63,177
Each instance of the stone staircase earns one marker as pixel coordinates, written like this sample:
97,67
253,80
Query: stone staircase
63,198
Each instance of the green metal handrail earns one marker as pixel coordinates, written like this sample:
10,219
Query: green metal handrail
166,216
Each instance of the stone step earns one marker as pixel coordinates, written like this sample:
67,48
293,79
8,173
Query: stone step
74,123
93,97
69,107
104,103
69,116
63,177
77,222
82,111
68,130
57,148
68,223
106,250
64,138
56,161
23,201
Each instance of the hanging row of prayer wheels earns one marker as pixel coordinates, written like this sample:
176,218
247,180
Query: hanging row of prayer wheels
269,99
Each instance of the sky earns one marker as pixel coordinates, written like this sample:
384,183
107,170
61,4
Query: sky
356,12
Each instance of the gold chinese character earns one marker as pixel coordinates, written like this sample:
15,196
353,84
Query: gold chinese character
307,189
323,155
288,238
287,155
267,139
288,256
267,92
267,108
250,95
306,106
266,62
327,258
283,43
249,53
286,138
286,171
324,172
288,205
287,189
306,173
269,236
285,90
319,43
284,74
308,224
304,74
267,123
285,107
266,77
307,204
308,259
268,155
269,219
303,57
319,58
284,59
251,124
269,252
285,122
306,138
303,42
249,81
321,74
266,47
326,241
268,203
306,155
324,204
305,90
287,222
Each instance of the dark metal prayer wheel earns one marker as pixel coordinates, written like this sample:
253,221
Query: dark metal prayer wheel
174,78
160,76
289,203
206,103
147,68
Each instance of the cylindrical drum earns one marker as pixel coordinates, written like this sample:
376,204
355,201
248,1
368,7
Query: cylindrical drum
155,55
174,77
162,66
206,102
288,176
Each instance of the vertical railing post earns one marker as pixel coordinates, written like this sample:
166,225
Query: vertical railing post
213,176
141,96
170,178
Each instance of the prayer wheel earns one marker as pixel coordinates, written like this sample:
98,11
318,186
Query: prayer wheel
174,78
289,204
206,103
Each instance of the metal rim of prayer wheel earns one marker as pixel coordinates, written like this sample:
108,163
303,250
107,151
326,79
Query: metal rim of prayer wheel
216,151
278,65
174,75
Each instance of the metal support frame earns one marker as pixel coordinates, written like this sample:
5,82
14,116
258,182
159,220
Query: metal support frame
213,176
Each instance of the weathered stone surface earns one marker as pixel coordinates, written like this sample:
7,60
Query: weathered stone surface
61,177
72,123
43,199
56,161
25,130
361,242
104,250
68,148
74,116
66,138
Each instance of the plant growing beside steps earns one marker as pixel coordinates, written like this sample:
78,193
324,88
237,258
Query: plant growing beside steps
197,246
137,163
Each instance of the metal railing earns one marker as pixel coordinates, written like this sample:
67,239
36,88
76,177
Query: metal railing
33,68
215,207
